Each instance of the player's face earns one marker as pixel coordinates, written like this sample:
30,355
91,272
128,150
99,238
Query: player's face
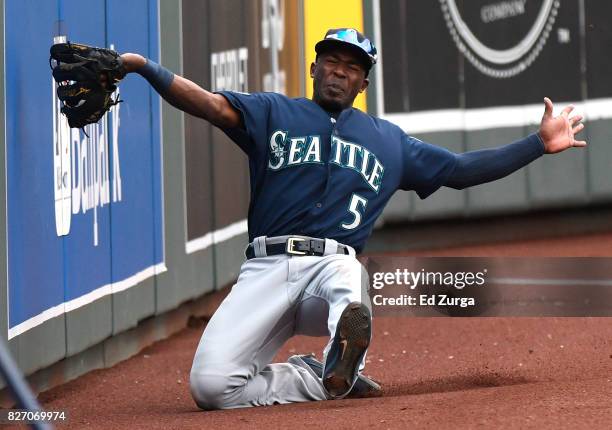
338,78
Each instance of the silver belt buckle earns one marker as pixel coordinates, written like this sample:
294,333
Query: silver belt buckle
291,243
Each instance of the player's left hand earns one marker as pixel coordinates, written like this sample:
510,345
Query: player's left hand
87,78
557,132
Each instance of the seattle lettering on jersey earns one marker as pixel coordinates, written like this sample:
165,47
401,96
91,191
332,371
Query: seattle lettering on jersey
286,151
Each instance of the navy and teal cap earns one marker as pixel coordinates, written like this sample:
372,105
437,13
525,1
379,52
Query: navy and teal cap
352,38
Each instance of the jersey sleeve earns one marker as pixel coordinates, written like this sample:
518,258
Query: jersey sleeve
426,166
254,110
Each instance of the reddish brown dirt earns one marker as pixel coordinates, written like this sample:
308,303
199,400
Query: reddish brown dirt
595,245
436,373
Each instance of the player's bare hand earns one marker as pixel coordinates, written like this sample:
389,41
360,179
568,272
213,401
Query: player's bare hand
132,62
558,132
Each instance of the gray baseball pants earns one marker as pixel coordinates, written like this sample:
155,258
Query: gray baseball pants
275,298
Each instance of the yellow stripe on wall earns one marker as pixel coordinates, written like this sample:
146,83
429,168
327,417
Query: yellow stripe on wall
320,16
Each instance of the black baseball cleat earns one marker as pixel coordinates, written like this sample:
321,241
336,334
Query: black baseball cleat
347,350
364,386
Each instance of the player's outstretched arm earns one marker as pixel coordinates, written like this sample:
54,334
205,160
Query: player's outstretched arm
486,165
183,93
556,134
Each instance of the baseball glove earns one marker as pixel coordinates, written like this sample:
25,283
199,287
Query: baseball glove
86,78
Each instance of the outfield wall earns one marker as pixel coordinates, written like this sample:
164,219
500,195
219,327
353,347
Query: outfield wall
472,75
149,211
83,207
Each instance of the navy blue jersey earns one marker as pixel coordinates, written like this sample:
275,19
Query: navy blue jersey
317,176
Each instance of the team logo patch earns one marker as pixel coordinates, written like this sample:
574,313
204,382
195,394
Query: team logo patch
287,151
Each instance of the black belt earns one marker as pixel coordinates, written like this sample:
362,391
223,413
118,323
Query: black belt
297,246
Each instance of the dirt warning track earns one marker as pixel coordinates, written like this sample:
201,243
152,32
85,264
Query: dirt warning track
436,373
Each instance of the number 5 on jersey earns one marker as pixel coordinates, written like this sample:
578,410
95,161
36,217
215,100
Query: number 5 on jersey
357,203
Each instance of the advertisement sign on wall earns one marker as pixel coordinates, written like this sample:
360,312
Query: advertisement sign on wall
84,207
448,56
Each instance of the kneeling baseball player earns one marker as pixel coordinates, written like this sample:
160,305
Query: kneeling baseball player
321,173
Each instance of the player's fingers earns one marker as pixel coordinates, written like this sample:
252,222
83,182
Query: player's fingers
567,110
577,129
575,119
72,72
580,143
62,52
548,107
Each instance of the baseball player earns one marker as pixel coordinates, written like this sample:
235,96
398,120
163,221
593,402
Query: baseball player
321,173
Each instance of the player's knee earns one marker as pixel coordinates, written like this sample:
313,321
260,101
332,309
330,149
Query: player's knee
211,391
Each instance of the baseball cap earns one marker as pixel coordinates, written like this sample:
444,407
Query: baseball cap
349,37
